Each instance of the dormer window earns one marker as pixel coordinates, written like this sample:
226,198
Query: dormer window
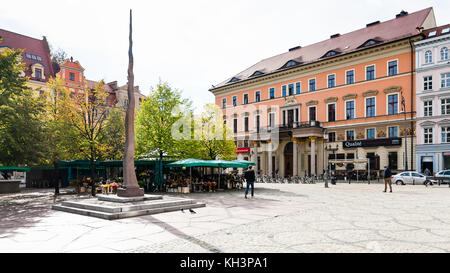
290,64
369,43
38,73
433,33
234,79
257,73
331,53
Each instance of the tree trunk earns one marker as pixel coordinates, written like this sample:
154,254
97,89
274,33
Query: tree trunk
56,176
130,184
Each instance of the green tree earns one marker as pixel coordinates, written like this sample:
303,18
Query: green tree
114,135
158,115
214,137
60,136
21,126
88,118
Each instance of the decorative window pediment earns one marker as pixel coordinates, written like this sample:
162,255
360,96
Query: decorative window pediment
331,99
38,68
349,97
392,89
427,124
370,93
444,122
312,102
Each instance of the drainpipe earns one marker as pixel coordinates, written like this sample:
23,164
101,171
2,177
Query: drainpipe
412,102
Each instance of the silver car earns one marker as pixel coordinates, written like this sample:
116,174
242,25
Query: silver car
444,173
414,178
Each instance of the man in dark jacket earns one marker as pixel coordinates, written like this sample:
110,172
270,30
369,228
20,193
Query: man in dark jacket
387,178
250,179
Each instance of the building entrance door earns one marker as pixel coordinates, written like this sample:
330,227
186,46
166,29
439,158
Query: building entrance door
290,119
288,159
427,162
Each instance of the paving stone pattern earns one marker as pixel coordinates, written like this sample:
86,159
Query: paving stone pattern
281,218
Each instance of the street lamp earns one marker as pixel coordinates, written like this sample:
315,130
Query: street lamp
329,148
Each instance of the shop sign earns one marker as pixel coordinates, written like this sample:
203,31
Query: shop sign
242,150
372,143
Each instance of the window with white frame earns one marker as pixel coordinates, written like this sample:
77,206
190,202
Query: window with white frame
350,76
224,103
444,54
272,93
392,68
393,131
245,98
272,120
445,80
370,133
445,106
393,104
445,133
428,108
428,83
350,135
428,57
370,72
258,96
350,109
234,101
428,135
370,107
331,81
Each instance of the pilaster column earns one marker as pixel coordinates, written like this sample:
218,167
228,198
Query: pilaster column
269,154
313,155
295,147
255,145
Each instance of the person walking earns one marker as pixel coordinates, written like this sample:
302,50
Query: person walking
387,178
249,176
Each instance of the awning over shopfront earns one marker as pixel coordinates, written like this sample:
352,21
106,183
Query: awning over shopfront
14,168
191,162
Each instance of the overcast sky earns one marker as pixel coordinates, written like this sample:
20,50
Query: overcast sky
192,44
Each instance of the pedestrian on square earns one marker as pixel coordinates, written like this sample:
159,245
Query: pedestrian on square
387,178
427,172
249,176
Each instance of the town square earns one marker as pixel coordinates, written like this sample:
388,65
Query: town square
133,131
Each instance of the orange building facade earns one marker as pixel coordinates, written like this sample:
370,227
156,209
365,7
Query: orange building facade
346,98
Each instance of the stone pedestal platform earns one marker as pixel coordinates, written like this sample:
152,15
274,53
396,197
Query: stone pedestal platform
112,207
130,192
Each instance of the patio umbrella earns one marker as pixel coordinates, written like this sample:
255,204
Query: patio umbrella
245,162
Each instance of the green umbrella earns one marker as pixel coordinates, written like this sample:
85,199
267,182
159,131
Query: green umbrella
191,162
245,162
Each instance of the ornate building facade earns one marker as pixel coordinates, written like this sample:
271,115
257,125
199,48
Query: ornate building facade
346,98
433,100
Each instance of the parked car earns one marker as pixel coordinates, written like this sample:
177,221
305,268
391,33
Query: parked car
414,178
444,173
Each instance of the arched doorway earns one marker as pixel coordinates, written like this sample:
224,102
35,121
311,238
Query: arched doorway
288,159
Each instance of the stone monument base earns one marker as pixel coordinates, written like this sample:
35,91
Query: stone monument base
130,192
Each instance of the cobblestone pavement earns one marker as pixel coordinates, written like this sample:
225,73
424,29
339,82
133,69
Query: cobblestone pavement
281,218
